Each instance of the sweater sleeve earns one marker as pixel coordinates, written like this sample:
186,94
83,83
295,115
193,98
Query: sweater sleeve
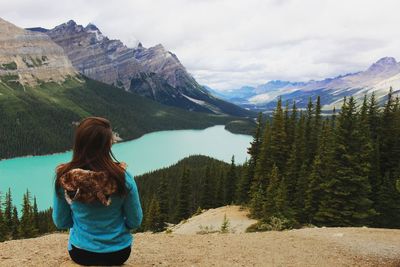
131,208
62,214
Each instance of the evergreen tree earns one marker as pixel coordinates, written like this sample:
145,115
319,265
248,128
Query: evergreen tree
250,167
207,194
373,123
291,128
276,204
388,204
153,220
296,173
282,202
230,184
299,201
315,131
45,220
219,192
308,133
27,228
35,214
294,168
263,164
15,233
373,117
320,172
345,200
243,186
270,205
8,211
278,147
162,195
3,226
257,203
288,127
183,207
389,138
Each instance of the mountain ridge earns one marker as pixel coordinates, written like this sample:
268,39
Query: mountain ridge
151,72
377,78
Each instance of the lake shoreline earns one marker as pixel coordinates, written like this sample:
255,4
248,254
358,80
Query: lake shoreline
123,141
150,152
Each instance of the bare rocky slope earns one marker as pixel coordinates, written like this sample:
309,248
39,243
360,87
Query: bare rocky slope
183,247
30,57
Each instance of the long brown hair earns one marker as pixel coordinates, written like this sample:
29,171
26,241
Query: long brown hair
92,151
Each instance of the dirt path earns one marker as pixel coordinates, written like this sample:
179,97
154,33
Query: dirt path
305,247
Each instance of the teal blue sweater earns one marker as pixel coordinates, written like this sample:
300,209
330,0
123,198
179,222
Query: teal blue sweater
96,227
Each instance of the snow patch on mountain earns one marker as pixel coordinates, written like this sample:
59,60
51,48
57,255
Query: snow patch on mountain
199,102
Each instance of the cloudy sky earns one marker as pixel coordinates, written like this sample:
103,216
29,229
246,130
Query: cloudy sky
226,44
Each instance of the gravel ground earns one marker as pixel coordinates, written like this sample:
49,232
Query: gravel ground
305,247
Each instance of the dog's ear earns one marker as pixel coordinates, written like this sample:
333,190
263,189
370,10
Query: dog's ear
65,181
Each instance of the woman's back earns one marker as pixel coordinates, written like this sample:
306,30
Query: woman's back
97,227
96,198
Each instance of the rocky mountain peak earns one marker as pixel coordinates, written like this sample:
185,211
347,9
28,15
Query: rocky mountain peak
159,47
91,27
384,64
387,61
71,23
69,26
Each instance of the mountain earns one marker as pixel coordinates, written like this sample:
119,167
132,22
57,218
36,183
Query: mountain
42,97
378,78
31,57
238,96
151,72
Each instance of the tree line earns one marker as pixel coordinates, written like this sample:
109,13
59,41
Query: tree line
327,171
177,192
303,169
31,223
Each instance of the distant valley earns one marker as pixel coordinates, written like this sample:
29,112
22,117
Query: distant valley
378,78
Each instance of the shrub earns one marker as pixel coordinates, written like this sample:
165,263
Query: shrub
271,224
225,225
8,66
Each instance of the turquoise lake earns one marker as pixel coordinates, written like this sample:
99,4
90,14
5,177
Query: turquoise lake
149,152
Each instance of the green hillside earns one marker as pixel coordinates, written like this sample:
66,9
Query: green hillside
40,120
178,191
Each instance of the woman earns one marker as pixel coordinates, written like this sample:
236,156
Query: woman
96,198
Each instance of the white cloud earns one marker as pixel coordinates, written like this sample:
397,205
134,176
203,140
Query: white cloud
229,43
